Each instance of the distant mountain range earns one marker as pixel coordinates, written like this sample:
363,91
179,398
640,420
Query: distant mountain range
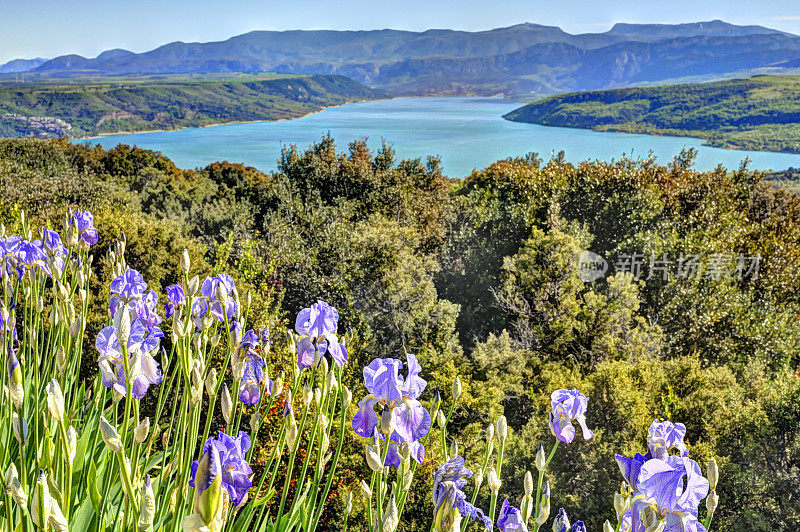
21,65
526,58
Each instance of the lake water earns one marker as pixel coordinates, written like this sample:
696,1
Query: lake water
466,133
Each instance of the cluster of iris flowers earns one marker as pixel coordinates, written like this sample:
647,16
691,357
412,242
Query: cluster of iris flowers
664,486
48,253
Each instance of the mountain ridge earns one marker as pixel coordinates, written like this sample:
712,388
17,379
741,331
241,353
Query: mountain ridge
513,60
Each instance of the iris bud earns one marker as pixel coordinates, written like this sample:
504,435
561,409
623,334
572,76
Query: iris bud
72,444
291,431
348,503
122,322
621,504
227,404
544,505
254,420
140,434
330,381
454,448
390,517
279,383
493,480
712,501
317,396
540,459
363,487
56,519
14,487
347,397
713,474
407,478
110,435
16,388
607,527
374,458
444,513
147,506
456,388
11,474
55,400
185,262
502,428
194,284
211,383
478,478
528,484
40,509
61,359
387,421
208,485
489,432
20,428
307,395
222,295
441,420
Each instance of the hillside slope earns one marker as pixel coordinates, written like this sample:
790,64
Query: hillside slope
513,60
75,111
759,113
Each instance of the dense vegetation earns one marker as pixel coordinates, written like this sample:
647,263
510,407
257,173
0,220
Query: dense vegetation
759,113
519,59
479,278
89,108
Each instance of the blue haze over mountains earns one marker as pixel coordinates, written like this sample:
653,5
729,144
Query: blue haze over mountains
519,59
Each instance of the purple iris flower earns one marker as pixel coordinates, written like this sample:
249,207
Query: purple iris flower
83,221
146,310
8,254
249,341
209,291
52,243
175,298
561,522
631,467
317,327
578,527
112,366
236,471
568,406
129,286
388,389
31,255
664,436
511,519
673,488
454,471
254,376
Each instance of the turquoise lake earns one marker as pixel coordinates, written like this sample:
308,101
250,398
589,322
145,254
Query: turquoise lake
466,133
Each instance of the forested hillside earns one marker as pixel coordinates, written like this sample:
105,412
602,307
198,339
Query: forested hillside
88,108
480,279
759,113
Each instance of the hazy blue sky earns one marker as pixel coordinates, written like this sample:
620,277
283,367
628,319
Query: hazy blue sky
30,28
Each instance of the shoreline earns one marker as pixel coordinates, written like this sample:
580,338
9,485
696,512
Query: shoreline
666,133
232,122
